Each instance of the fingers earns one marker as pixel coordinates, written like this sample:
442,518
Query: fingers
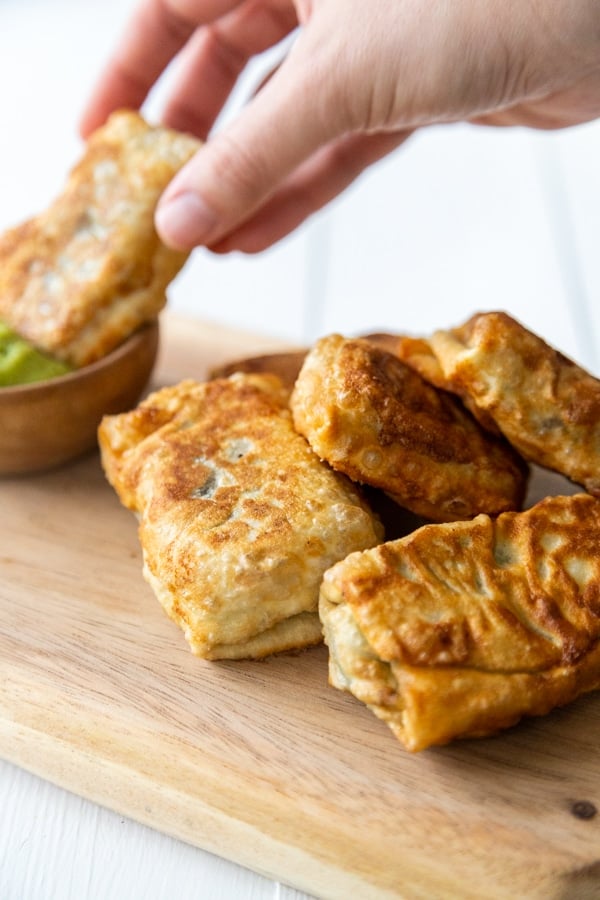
241,167
314,184
215,56
156,32
576,104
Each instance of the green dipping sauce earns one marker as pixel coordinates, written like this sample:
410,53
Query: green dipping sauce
21,363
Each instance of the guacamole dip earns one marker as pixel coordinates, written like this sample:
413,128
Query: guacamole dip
21,363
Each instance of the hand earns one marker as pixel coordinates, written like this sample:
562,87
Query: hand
359,78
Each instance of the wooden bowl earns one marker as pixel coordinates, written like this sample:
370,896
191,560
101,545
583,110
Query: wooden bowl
48,423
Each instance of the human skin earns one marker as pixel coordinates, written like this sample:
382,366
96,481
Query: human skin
359,78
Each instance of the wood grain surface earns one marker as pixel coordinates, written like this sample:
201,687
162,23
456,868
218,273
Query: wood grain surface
262,762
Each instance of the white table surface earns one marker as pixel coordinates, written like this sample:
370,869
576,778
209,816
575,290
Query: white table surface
462,219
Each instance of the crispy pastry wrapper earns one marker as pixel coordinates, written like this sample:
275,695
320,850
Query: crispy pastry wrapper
83,275
238,519
372,417
459,630
546,405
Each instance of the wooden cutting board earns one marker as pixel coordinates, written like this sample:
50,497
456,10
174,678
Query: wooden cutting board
262,762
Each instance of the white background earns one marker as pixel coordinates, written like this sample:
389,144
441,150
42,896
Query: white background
461,219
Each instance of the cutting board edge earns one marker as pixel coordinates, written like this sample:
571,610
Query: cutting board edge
127,792
124,790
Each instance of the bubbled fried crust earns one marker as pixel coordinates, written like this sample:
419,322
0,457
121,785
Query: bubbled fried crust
375,419
80,277
459,630
546,405
418,354
238,517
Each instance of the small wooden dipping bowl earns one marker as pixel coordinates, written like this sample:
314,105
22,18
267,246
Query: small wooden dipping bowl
48,423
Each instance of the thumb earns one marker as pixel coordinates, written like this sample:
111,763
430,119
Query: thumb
238,169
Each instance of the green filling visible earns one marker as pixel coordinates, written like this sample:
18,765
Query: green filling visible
21,363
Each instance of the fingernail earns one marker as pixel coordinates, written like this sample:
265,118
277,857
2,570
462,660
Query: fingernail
184,221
